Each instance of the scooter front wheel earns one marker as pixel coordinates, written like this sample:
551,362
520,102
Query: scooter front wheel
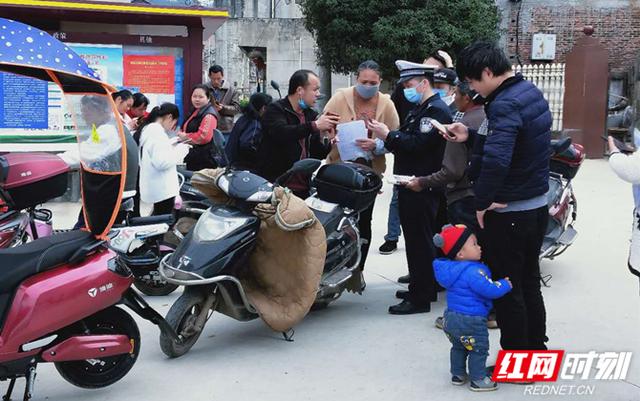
97,373
183,316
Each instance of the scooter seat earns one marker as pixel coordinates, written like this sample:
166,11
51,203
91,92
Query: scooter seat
329,221
560,145
186,173
21,262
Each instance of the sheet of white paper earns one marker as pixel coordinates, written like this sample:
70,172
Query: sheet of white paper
347,135
400,179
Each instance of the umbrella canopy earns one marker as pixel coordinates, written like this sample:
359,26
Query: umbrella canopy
28,51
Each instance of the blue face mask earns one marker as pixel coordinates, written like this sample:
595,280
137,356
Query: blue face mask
441,92
303,105
367,91
412,95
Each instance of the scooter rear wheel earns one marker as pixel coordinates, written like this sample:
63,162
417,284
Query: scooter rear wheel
182,316
97,373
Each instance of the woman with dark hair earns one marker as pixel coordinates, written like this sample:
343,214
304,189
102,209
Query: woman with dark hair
199,131
124,100
158,175
138,110
242,147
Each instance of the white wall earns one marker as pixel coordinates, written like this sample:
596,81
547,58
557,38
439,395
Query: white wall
289,46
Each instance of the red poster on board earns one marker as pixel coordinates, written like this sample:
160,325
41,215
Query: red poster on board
152,74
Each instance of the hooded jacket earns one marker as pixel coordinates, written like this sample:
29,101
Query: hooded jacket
470,288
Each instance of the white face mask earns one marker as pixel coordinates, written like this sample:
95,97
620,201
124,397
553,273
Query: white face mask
448,99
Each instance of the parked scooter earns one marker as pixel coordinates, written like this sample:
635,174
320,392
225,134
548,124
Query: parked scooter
566,160
29,179
208,260
58,294
68,285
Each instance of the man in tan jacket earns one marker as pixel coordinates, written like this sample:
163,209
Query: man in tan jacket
365,102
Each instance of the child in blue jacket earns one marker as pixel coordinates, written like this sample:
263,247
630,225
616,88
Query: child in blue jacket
469,294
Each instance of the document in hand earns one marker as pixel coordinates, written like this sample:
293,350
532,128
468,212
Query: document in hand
347,135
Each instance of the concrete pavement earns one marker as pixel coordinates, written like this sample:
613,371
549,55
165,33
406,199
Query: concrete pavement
354,350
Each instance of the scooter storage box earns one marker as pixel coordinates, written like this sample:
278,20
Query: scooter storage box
568,162
350,185
31,178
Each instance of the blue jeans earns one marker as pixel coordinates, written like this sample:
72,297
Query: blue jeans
469,340
393,223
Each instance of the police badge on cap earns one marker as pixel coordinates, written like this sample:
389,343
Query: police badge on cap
445,76
410,70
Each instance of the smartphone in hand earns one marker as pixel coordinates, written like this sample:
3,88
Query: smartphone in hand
441,128
624,148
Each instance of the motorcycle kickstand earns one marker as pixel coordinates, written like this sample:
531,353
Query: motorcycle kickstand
7,395
288,335
31,379
142,308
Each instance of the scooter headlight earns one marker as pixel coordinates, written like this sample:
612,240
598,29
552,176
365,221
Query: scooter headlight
212,227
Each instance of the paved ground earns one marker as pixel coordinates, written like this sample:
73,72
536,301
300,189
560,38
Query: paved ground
355,351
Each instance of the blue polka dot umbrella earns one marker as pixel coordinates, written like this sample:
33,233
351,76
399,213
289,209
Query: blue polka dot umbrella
28,51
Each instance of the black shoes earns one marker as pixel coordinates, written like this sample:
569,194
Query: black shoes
407,308
404,279
402,294
388,247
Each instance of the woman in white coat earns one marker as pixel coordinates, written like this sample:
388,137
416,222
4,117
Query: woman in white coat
158,175
627,167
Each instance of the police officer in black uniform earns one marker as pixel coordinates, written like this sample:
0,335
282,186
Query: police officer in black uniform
418,149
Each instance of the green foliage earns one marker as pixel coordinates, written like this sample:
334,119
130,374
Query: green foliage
348,32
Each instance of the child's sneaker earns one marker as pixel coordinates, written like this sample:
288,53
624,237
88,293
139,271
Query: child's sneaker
458,380
485,384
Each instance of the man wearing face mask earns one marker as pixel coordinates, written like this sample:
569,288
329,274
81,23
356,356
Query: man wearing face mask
292,130
444,82
418,149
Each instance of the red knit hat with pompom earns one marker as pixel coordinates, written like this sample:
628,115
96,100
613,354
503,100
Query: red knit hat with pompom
452,239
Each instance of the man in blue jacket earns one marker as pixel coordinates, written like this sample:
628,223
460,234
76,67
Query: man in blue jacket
511,187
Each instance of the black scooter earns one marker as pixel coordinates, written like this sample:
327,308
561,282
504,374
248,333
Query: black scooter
208,260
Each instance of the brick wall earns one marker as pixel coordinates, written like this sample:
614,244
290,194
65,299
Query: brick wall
616,25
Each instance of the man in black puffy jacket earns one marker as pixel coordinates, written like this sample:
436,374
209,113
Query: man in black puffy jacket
511,187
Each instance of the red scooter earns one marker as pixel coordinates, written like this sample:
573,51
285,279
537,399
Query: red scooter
58,298
58,294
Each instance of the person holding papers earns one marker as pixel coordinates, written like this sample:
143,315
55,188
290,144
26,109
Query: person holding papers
418,148
363,102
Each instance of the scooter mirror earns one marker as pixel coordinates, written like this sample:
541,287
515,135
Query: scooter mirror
275,85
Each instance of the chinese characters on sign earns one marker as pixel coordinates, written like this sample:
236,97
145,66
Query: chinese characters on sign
546,366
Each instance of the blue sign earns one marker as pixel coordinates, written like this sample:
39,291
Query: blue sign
24,102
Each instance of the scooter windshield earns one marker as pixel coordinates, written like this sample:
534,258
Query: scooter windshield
102,161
